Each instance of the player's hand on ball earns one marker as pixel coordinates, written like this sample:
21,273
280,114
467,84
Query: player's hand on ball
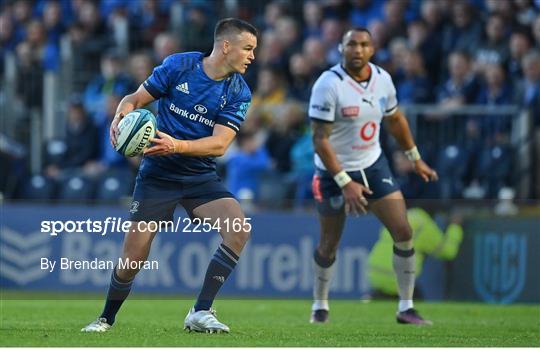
164,145
113,131
355,202
423,170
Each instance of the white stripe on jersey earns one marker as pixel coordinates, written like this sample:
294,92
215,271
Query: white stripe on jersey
356,110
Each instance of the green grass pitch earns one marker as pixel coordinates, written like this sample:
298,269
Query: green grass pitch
268,323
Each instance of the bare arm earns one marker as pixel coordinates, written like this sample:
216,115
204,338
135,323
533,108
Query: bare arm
355,201
398,126
321,133
133,101
214,145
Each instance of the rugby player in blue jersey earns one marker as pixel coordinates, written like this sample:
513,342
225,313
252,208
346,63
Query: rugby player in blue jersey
203,101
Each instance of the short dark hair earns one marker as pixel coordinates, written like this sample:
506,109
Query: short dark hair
233,25
358,29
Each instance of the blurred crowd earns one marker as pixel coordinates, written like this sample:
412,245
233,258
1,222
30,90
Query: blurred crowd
449,53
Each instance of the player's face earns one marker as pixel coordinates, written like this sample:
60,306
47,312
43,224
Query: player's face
357,49
240,52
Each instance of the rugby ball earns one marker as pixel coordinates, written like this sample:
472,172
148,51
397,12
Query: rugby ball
135,130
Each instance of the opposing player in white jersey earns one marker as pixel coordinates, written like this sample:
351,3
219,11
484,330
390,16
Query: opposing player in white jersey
348,103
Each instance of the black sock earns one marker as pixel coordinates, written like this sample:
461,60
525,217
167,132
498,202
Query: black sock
221,265
118,292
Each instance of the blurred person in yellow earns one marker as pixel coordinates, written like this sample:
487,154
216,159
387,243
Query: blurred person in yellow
428,239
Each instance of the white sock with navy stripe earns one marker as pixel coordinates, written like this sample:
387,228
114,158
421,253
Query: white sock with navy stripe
404,263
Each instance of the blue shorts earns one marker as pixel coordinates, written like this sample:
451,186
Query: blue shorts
328,196
156,199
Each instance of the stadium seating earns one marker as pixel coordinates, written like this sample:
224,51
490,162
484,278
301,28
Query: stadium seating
114,185
38,187
76,188
451,167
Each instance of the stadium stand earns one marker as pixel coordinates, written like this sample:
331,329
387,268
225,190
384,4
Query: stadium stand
467,73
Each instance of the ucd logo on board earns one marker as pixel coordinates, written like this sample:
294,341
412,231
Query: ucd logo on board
499,266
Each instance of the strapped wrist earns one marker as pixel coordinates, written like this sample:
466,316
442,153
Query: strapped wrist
180,146
413,154
342,178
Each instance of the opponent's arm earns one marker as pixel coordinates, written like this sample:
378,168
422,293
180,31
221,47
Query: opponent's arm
398,127
133,101
215,145
355,202
321,133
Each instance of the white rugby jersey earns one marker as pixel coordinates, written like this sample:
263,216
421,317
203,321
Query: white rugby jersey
356,109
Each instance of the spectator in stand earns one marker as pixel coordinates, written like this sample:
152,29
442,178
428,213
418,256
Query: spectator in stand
285,130
464,32
431,14
80,145
46,53
363,11
459,89
271,51
415,86
394,17
89,39
314,50
140,67
301,157
462,86
525,12
246,165
270,89
111,80
528,90
29,76
107,158
505,9
520,44
397,48
379,37
427,45
273,11
147,20
165,44
528,96
21,14
536,31
495,90
53,21
494,48
197,32
288,34
332,31
312,15
301,77
7,37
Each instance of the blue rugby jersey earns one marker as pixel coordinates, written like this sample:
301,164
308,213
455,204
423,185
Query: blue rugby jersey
190,104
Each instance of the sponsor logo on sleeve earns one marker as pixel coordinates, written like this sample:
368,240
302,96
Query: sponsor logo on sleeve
350,112
242,110
324,107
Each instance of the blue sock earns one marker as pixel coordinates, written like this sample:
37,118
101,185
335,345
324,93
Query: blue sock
118,292
221,265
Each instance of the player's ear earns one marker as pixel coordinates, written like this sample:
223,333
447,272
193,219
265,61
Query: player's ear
225,46
340,48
